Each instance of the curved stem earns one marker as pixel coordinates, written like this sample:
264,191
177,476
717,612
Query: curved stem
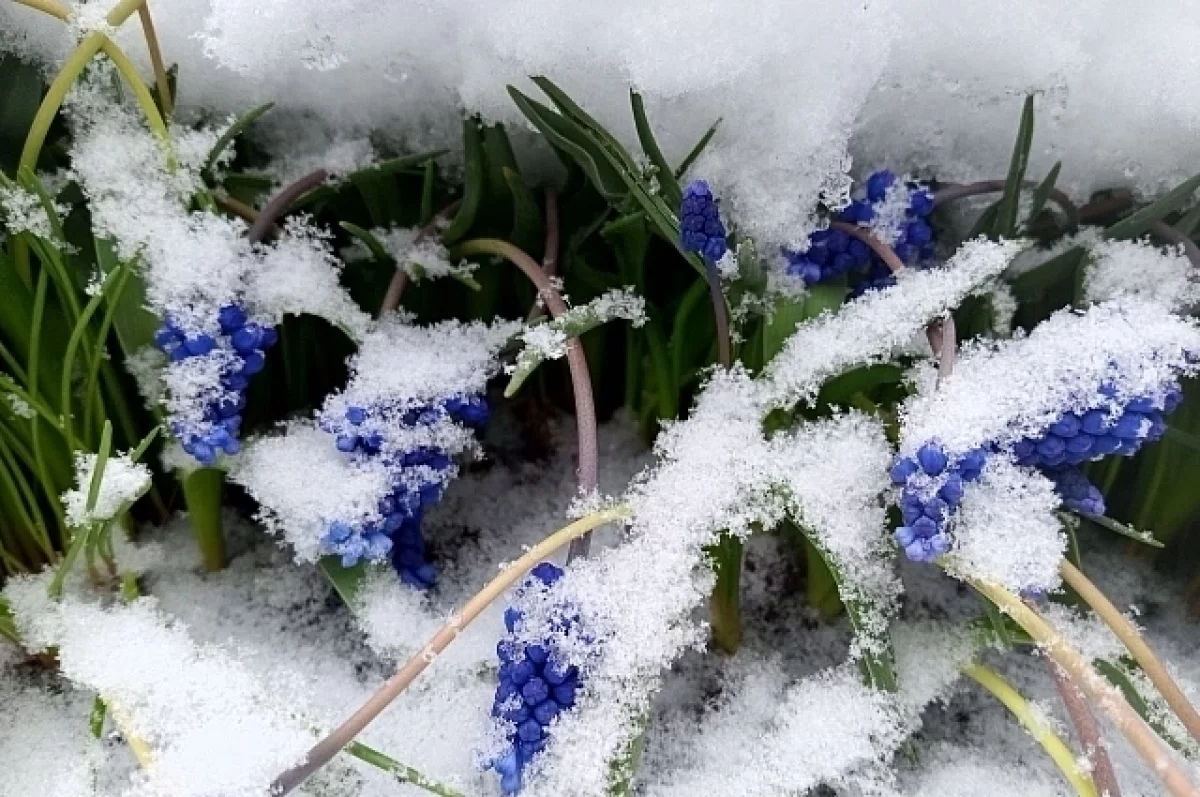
50,7
1103,694
280,203
395,291
954,191
549,250
581,381
1088,731
720,314
328,747
885,252
1055,747
1164,230
1136,645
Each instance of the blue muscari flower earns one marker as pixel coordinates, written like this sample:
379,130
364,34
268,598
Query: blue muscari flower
536,684
1072,439
701,228
419,477
833,253
247,341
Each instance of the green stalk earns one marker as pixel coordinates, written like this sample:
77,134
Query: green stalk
202,491
725,608
401,772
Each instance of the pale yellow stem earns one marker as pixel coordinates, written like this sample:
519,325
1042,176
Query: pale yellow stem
1042,733
1108,699
327,748
156,60
1136,645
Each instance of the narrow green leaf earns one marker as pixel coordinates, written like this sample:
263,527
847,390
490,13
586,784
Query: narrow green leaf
472,181
1033,284
401,772
96,718
101,461
696,150
725,614
1117,527
998,622
568,137
1134,225
346,581
140,451
1187,223
1006,214
692,332
239,126
668,186
427,191
373,244
1116,675
527,217
1041,194
572,111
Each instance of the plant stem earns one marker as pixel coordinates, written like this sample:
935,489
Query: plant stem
280,203
1055,747
720,314
581,382
1103,694
1164,230
156,60
401,772
954,191
395,291
885,252
549,250
328,747
1088,731
1136,645
725,607
202,490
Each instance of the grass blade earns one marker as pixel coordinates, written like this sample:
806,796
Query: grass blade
1134,225
101,462
668,186
696,151
1041,194
1006,213
473,184
233,131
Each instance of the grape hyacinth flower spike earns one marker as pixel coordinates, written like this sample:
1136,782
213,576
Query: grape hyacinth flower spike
702,230
896,212
238,347
418,475
536,684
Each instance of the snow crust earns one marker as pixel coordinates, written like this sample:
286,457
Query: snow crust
122,483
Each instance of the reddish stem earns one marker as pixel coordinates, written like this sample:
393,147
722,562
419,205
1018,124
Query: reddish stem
395,291
885,252
581,381
280,203
1088,731
549,251
1164,230
953,191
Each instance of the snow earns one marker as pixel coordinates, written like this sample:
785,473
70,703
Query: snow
22,211
419,259
123,482
1003,391
1139,270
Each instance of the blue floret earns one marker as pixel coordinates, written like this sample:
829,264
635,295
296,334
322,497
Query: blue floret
535,685
245,341
701,228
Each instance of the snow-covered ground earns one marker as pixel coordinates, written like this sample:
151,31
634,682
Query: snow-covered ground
278,626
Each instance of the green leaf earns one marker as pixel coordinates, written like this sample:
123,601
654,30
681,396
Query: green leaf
696,150
998,622
401,772
692,333
472,184
1115,526
1118,676
239,126
787,314
1010,200
725,607
623,769
101,461
373,244
576,114
527,217
1187,223
21,89
571,139
346,581
667,184
1041,194
1134,225
134,324
985,223
1033,284
427,192
96,718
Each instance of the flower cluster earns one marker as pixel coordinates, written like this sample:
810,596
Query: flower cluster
700,222
932,481
896,212
419,475
536,685
238,349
